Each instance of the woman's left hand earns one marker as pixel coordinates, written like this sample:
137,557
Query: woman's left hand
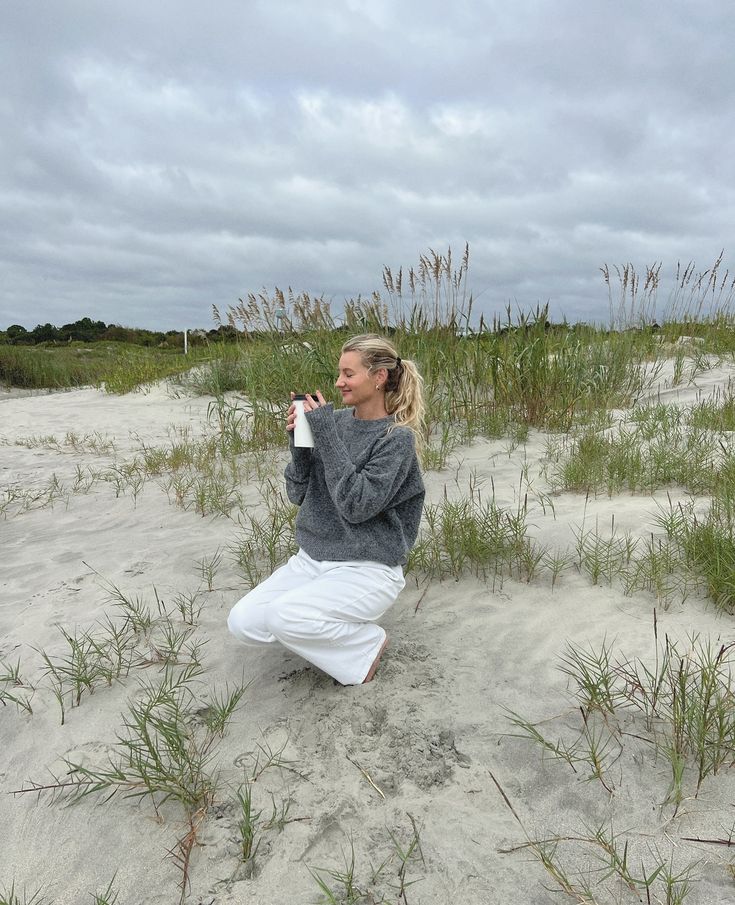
313,402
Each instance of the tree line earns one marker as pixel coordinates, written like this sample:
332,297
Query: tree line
88,331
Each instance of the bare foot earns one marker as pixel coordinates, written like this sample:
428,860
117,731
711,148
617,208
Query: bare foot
374,668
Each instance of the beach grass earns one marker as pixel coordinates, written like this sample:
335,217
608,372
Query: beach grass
472,536
681,703
163,753
388,881
266,537
651,448
13,896
612,872
14,688
706,544
248,827
119,367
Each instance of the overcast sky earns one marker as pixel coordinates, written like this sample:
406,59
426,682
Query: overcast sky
159,157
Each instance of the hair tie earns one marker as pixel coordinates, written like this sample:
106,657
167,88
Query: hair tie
398,361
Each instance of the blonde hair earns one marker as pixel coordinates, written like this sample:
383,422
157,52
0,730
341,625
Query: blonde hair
404,398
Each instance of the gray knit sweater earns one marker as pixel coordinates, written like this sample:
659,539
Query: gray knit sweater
359,490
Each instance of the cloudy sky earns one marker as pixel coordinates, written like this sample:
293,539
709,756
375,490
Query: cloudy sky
161,156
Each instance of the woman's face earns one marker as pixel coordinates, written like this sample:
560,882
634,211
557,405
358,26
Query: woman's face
355,382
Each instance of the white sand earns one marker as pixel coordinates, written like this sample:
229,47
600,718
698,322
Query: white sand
429,731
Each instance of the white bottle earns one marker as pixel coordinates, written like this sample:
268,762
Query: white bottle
302,435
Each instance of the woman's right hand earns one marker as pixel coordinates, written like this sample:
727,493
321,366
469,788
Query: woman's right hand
291,415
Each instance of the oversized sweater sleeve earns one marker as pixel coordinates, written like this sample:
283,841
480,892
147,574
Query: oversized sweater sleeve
297,473
361,495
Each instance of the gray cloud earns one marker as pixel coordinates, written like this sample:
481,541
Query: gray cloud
156,158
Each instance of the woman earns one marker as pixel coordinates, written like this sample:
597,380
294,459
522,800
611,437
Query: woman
361,497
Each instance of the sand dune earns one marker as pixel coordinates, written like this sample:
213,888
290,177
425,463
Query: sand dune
423,747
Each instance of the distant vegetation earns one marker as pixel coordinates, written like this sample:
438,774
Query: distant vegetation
479,377
92,353
86,330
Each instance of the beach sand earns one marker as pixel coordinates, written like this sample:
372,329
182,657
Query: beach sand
426,746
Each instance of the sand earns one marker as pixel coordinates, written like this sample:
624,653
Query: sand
425,745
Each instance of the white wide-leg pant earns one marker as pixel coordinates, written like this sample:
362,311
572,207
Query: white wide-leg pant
323,611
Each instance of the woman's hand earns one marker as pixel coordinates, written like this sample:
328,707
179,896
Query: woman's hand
310,403
313,402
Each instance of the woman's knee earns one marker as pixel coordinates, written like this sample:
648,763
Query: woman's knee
275,623
287,621
241,622
292,623
233,623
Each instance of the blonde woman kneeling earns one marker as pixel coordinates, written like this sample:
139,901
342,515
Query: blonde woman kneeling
360,496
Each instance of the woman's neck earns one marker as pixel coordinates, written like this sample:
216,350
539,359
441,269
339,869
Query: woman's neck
371,411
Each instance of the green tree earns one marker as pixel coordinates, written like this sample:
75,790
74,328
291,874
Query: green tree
16,333
44,333
84,330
